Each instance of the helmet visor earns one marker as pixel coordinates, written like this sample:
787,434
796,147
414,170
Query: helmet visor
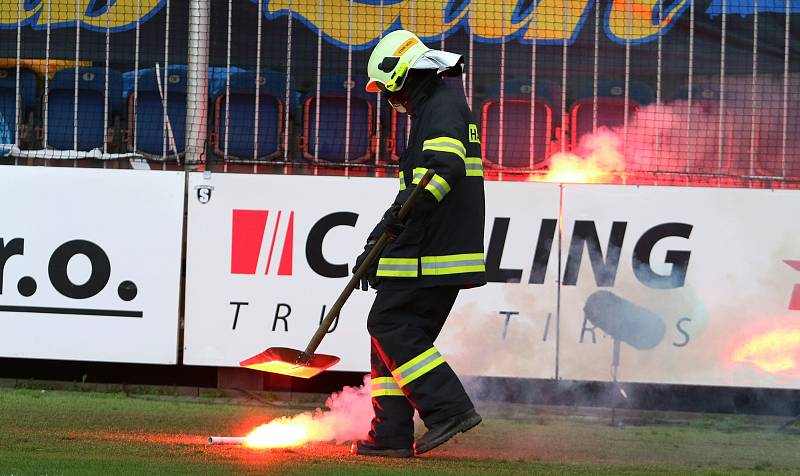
374,86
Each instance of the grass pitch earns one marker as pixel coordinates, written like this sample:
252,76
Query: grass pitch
88,433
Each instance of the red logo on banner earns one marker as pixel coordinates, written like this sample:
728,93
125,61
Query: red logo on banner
247,239
794,302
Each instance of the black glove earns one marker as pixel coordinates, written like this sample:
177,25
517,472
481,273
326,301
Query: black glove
369,278
392,224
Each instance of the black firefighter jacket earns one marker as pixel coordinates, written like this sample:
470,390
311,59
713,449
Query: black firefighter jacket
442,244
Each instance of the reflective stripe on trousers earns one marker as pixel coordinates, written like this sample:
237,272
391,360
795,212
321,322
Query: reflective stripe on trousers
417,367
386,387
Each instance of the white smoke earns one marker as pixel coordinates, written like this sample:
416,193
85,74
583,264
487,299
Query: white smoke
350,412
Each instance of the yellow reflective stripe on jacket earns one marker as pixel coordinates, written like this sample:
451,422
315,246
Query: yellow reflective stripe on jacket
418,173
398,267
438,186
474,166
418,366
402,181
453,264
385,387
445,144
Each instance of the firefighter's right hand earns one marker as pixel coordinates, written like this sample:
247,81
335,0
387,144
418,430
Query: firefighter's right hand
369,279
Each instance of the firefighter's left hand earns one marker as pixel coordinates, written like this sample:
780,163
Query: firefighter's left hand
392,224
369,279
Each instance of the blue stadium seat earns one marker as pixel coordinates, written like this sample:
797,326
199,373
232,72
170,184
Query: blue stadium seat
333,121
8,100
518,152
146,115
91,107
610,105
272,90
705,94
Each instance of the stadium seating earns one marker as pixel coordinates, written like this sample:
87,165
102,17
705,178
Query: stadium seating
148,130
519,148
89,133
8,101
242,127
333,120
610,106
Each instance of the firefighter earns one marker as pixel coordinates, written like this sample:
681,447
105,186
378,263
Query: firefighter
434,254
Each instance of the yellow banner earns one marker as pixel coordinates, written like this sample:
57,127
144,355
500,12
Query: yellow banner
348,22
120,15
360,23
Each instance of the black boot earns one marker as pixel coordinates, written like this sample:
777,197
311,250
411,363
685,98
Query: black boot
371,448
445,430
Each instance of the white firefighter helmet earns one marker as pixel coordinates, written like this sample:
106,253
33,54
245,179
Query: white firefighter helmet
397,53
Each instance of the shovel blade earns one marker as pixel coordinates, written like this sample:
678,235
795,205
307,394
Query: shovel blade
285,361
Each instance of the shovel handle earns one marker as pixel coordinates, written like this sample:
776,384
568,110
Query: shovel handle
372,256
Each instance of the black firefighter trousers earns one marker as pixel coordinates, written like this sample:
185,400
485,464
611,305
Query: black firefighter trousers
407,371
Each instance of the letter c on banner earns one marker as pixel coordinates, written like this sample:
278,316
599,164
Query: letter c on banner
314,256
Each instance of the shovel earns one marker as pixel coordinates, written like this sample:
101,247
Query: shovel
306,364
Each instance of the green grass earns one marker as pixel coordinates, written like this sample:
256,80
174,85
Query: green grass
88,433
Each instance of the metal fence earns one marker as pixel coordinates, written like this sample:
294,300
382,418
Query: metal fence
640,91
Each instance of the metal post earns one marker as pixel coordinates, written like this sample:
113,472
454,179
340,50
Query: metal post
722,117
17,88
532,137
197,80
753,88
689,130
627,99
595,76
564,56
614,381
257,96
785,103
46,95
501,123
659,62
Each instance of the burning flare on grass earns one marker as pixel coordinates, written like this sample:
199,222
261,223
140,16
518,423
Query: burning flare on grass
281,433
774,351
594,161
347,418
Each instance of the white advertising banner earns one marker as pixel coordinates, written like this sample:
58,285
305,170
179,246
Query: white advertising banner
90,264
690,285
698,286
266,256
